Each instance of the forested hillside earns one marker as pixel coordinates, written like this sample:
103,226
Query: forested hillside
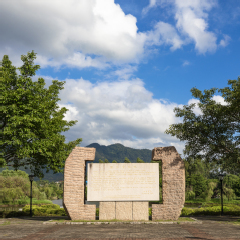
116,152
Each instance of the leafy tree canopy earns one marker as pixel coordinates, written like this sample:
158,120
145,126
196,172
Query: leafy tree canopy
214,134
139,160
126,160
11,173
32,121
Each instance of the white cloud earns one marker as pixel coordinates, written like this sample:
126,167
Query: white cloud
152,3
186,63
219,99
117,112
72,33
164,33
224,42
192,23
191,19
123,72
96,33
196,109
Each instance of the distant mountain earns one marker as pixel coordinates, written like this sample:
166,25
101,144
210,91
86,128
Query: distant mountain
112,152
118,152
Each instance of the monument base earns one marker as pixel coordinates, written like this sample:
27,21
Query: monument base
123,210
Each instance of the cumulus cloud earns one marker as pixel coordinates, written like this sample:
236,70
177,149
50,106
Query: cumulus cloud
117,112
196,109
164,33
192,23
72,33
219,99
96,33
191,19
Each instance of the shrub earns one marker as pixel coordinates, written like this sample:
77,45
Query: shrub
215,210
45,210
150,211
97,212
9,214
190,195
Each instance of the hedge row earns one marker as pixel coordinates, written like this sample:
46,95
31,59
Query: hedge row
55,210
216,210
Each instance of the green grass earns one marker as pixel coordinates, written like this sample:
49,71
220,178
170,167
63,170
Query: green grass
181,219
5,223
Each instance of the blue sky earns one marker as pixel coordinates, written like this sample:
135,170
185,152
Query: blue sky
127,64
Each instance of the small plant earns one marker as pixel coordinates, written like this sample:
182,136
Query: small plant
150,211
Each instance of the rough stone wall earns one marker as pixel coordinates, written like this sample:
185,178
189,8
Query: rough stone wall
123,210
173,184
73,195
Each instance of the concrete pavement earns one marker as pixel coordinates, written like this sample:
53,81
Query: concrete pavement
34,229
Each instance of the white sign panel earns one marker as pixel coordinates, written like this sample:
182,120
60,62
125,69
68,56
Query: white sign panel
123,182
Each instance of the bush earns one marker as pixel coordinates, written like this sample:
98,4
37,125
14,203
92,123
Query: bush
9,214
150,211
45,210
97,212
190,195
215,210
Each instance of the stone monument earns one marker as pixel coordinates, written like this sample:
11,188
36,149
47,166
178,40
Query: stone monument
123,196
73,192
123,189
173,184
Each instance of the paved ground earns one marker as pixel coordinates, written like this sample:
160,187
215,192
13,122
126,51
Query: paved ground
34,229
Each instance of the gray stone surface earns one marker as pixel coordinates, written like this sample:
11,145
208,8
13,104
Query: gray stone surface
29,229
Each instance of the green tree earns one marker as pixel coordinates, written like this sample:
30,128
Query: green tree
114,161
106,161
211,189
101,161
140,160
232,182
126,160
14,193
32,121
199,184
214,134
11,173
48,191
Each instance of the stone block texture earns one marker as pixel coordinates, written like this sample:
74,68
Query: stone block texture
173,184
107,210
140,211
123,210
73,195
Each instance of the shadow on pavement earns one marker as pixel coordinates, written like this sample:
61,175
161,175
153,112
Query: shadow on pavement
218,218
